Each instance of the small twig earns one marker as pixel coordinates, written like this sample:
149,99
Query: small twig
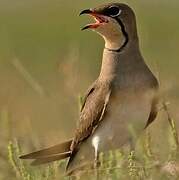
172,125
147,145
28,77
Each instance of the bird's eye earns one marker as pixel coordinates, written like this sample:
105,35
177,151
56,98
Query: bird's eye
114,11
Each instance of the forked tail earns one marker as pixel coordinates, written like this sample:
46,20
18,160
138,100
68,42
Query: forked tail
54,153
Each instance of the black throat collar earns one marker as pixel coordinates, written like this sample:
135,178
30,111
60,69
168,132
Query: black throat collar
125,35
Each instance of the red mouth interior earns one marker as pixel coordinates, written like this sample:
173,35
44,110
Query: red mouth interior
99,20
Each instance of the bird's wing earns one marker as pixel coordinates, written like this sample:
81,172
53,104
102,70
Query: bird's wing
51,158
62,149
89,91
92,112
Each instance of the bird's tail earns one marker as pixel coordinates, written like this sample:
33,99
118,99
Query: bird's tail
54,153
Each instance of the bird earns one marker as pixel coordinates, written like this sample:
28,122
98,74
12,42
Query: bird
124,95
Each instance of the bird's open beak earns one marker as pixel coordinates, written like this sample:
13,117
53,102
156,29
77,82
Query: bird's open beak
99,19
86,11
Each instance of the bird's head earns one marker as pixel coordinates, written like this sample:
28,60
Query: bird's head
115,22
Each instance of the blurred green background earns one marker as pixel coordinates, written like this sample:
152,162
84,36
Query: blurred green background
46,62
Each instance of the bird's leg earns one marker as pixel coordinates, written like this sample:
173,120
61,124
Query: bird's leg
95,143
96,160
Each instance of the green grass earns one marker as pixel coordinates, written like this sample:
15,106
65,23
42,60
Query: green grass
119,164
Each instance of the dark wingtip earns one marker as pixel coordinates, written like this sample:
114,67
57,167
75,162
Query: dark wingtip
29,156
23,157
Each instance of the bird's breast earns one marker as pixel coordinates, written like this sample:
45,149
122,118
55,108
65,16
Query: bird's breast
127,113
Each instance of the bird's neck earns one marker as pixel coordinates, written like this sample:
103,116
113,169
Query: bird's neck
115,63
114,42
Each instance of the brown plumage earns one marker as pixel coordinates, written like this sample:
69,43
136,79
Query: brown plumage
124,94
54,150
